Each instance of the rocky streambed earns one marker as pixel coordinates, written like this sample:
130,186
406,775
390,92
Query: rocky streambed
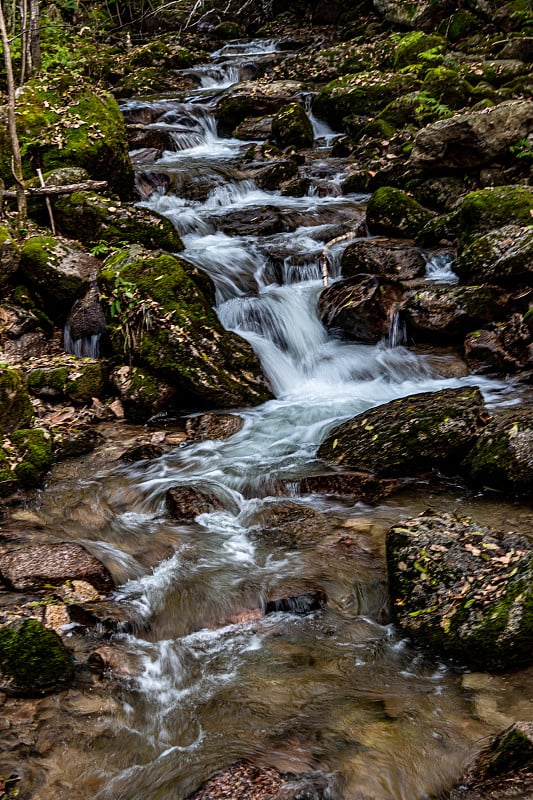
325,585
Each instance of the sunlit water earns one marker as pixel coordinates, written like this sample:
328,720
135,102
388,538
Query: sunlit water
336,693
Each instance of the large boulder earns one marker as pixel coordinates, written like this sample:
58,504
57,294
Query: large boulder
159,313
254,99
474,138
291,127
63,124
33,660
504,347
447,313
16,410
502,256
488,209
502,457
36,567
462,589
409,435
59,271
422,15
361,307
380,256
142,394
393,212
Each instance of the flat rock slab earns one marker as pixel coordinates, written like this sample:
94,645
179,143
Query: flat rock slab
37,567
462,589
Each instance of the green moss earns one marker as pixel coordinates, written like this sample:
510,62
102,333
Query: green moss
35,451
492,208
394,212
41,265
33,659
458,25
447,87
78,379
414,45
16,409
291,127
226,30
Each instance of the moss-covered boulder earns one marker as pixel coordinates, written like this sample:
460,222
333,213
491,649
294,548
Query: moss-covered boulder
503,256
462,589
473,138
58,271
362,94
66,377
502,458
447,313
488,209
409,435
25,458
16,410
291,127
165,322
446,87
98,220
9,256
62,124
142,394
412,47
393,212
415,109
33,660
254,99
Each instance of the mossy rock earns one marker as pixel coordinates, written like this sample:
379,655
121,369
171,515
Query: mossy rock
226,30
463,590
363,94
414,108
167,325
488,209
78,380
33,660
408,435
96,220
9,256
503,256
57,270
393,212
460,24
16,410
62,124
502,458
447,87
418,47
33,451
142,394
291,127
254,99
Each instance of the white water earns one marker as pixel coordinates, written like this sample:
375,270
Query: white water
439,269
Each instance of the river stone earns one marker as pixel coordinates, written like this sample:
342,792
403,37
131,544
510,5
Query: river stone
33,660
59,271
362,307
502,457
36,567
65,376
254,99
398,258
287,524
253,129
16,410
473,138
463,590
449,312
271,176
291,127
488,209
503,256
504,347
141,393
85,320
184,342
184,503
213,426
358,487
507,761
409,435
300,604
25,458
394,213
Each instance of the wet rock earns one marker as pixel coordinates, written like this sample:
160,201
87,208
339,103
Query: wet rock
272,175
79,380
447,313
503,256
72,442
184,342
184,503
85,321
503,769
361,307
95,219
213,426
254,99
25,458
58,271
35,567
355,486
110,617
141,393
421,15
394,257
502,458
462,589
33,660
242,780
503,347
299,604
474,138
285,523
491,208
256,221
143,138
254,129
291,127
393,212
16,410
409,435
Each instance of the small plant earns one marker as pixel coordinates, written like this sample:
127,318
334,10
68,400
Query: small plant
430,105
522,149
131,313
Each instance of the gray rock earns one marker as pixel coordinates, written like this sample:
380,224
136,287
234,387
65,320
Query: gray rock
399,258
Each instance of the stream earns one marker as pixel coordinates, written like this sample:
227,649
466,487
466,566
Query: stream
335,694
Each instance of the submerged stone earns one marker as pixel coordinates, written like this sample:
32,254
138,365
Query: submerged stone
184,503
463,590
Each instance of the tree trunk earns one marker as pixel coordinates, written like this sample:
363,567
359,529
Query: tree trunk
16,161
35,36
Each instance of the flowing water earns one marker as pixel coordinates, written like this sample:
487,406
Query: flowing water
211,679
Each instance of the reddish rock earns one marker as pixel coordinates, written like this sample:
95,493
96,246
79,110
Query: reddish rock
213,426
36,567
184,503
